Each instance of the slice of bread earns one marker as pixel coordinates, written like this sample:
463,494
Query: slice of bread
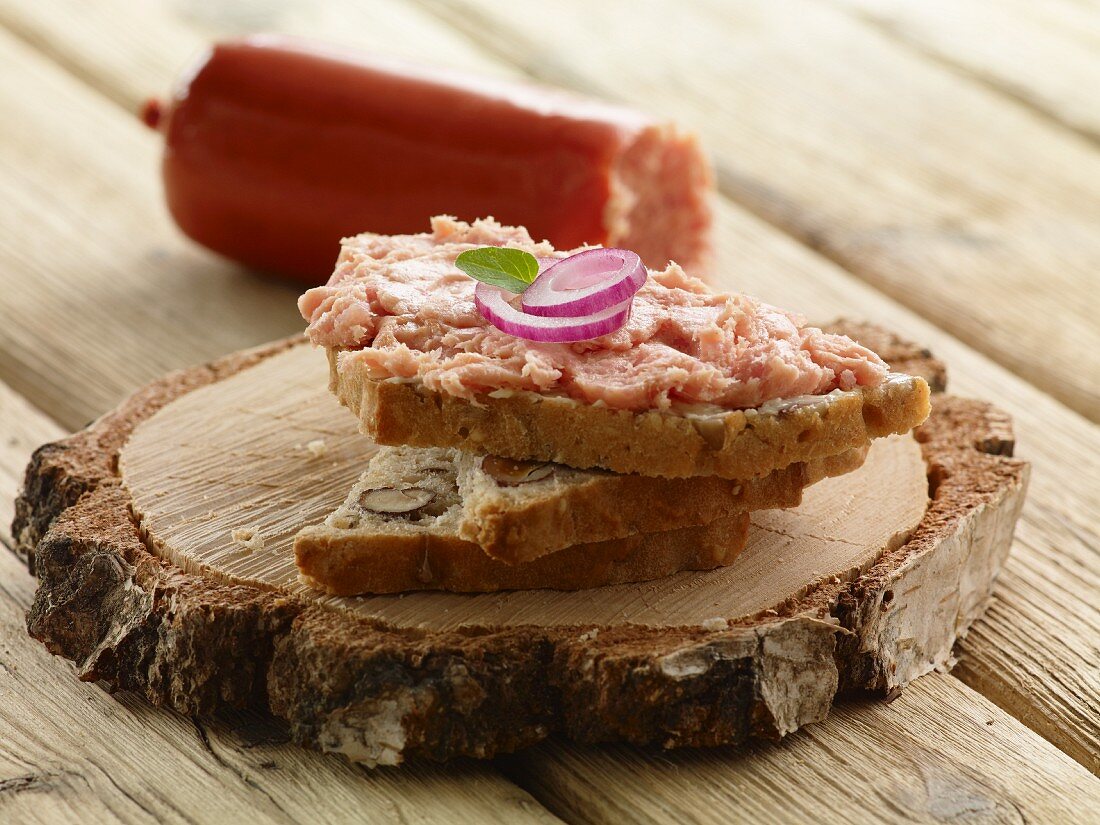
399,532
517,511
688,440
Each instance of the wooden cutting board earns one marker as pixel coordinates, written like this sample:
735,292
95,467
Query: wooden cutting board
148,582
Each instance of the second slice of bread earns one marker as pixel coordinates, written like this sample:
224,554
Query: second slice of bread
399,530
518,511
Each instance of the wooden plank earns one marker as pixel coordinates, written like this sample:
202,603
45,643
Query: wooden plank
940,753
392,27
1043,54
1035,637
1061,516
923,183
101,293
71,752
130,50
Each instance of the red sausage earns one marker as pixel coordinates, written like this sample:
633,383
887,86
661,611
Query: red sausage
277,148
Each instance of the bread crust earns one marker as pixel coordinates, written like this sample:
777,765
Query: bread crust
346,563
733,444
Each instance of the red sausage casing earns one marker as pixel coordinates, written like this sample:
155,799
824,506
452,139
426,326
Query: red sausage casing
277,148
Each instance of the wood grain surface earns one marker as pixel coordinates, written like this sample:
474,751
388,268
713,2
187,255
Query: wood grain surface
104,603
1041,54
979,217
78,224
1044,669
131,50
861,793
98,758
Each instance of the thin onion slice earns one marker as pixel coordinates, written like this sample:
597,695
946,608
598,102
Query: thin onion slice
586,283
492,304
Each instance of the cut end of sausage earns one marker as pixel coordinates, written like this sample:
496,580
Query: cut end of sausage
662,188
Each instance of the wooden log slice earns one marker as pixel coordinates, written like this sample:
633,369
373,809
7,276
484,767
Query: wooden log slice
161,535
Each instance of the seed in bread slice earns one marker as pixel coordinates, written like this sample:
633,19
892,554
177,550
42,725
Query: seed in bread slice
685,441
400,532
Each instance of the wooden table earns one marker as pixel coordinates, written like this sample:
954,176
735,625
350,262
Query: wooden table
930,166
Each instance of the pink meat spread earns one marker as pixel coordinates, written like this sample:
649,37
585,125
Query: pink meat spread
399,306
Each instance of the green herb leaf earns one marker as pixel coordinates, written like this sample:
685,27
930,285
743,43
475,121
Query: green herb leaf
511,269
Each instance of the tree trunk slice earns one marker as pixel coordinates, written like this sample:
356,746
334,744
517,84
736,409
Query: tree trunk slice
873,591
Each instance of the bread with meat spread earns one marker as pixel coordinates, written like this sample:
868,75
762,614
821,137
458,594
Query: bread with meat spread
676,443
694,382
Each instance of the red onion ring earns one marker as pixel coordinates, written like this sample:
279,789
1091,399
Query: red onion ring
491,303
586,283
